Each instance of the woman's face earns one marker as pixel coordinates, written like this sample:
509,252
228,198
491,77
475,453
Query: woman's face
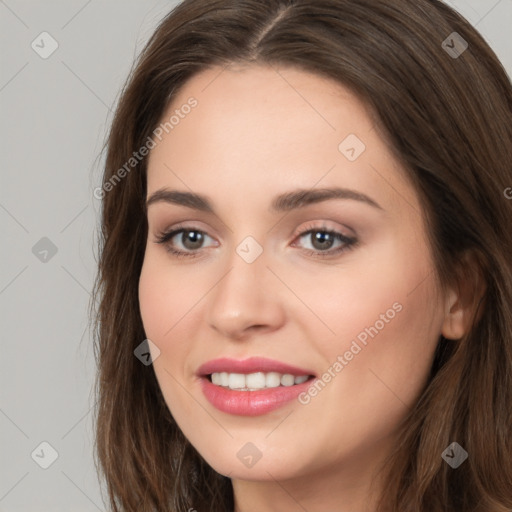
339,286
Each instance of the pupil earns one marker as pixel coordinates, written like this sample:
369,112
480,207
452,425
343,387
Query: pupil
324,239
192,239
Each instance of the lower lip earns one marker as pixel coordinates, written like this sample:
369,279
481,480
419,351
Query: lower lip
251,403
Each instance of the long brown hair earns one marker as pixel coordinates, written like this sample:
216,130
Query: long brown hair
447,118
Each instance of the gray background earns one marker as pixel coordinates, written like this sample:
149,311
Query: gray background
54,117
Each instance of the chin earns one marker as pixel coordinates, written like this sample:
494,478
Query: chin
240,466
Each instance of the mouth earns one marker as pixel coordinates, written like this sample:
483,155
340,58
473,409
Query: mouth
256,381
252,386
252,374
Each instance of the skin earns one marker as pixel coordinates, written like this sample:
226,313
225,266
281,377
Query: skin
258,132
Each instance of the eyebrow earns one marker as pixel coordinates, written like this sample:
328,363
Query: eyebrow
283,203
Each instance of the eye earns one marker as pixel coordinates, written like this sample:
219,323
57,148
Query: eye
191,241
324,242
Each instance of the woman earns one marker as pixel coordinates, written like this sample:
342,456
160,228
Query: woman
305,279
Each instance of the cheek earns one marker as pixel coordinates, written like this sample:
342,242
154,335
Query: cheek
379,360
346,300
382,315
171,301
164,296
164,300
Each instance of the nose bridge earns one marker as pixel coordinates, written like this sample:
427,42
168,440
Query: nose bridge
245,297
247,264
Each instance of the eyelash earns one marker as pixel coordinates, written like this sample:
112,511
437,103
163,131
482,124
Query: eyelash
348,242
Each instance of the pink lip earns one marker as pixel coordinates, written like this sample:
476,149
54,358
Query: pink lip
250,403
251,365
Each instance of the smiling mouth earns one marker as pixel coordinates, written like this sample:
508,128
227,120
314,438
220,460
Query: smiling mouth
256,381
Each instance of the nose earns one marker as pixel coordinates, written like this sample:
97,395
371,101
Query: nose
246,301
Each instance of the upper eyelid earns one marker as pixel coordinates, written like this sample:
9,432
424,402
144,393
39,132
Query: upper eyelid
195,227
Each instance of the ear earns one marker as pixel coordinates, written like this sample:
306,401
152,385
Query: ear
463,299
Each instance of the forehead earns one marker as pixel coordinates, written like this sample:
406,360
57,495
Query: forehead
265,128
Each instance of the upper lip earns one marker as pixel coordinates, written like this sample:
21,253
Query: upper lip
250,365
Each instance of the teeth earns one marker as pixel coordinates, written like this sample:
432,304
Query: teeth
236,381
287,380
272,380
255,381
